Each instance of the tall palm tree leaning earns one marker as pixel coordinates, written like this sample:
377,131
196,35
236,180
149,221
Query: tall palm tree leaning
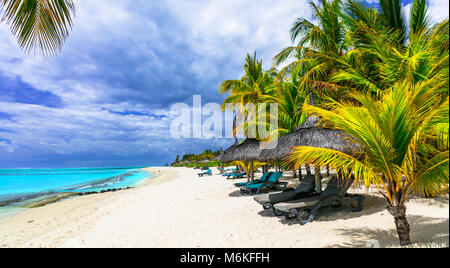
253,88
39,24
287,96
316,42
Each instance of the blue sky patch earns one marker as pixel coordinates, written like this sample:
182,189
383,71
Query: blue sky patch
13,89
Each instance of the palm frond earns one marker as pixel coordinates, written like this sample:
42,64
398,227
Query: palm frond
42,24
419,21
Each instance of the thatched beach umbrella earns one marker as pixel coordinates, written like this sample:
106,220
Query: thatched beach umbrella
217,157
309,134
224,156
249,150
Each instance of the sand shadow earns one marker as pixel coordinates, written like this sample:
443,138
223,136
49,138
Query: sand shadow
236,193
437,230
372,204
441,201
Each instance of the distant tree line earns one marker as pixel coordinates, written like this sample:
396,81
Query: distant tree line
192,159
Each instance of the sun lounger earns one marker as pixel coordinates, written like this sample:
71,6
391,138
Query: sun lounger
230,170
206,173
235,175
264,178
306,187
334,195
271,183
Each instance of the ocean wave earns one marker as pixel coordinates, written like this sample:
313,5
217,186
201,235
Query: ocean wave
100,183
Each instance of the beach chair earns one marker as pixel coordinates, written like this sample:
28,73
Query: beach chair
221,170
229,172
334,195
271,183
264,178
206,173
306,188
235,175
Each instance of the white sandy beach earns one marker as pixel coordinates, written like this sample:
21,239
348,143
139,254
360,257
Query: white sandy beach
178,209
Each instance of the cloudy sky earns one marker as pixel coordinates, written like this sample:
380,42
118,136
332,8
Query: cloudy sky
106,99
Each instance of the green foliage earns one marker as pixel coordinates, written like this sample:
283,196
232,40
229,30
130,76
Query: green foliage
42,24
399,136
380,81
192,160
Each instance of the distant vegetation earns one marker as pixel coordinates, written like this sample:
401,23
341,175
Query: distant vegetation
205,158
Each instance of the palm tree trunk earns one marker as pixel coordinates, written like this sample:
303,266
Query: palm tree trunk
300,177
251,171
318,179
312,102
234,133
401,223
328,171
308,170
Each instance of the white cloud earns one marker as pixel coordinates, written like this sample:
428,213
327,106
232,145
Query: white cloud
76,129
438,10
230,29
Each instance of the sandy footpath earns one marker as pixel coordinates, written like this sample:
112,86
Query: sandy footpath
178,209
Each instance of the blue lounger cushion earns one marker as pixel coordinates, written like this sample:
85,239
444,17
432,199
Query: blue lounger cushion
273,179
264,178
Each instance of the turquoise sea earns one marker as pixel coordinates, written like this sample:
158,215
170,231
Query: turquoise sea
19,185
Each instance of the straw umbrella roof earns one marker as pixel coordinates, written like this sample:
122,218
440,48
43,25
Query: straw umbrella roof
217,157
309,134
249,150
221,156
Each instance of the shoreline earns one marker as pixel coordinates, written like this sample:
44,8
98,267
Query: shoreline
23,216
45,198
178,209
153,174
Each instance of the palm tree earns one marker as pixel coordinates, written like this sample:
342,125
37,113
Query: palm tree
286,95
393,18
399,82
252,88
250,166
42,24
399,135
327,37
380,57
